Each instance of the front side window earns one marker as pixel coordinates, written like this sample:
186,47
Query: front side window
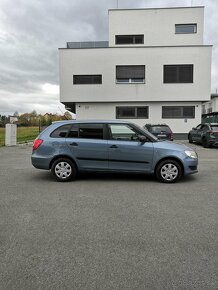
122,132
87,79
129,39
186,28
91,131
178,112
130,74
181,73
132,112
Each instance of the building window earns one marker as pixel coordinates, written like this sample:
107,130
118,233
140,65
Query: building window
181,73
87,79
130,74
132,112
186,28
129,39
178,112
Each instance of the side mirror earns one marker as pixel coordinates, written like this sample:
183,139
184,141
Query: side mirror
194,128
142,138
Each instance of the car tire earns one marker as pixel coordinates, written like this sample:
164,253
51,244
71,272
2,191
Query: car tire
205,143
169,171
190,139
63,170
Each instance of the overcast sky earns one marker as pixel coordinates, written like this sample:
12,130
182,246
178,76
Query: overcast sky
31,31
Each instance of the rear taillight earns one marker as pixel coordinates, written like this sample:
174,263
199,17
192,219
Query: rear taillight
37,143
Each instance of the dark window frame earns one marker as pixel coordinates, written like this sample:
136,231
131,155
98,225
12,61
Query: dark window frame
92,77
133,38
135,112
186,25
182,115
179,77
129,79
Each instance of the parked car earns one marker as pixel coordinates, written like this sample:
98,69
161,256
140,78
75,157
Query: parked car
69,147
205,134
161,131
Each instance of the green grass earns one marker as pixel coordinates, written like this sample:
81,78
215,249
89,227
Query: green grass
24,134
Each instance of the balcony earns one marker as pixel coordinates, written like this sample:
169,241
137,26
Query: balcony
88,44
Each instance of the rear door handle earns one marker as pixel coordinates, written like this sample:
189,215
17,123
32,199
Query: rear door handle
74,144
113,146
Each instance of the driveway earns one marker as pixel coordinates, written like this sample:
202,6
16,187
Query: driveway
107,231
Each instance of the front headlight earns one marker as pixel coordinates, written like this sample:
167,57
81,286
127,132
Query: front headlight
191,154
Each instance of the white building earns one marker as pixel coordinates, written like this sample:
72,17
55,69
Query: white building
154,69
210,106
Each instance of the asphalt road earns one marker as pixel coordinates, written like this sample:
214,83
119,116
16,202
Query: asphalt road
107,231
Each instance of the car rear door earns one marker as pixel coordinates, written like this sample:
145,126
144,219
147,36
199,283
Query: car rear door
126,152
88,146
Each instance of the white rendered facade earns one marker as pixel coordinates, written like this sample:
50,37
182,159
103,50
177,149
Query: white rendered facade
159,47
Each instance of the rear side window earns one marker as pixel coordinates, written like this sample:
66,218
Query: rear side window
160,129
214,128
91,131
61,132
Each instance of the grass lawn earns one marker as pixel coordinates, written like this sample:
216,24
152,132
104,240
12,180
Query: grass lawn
24,134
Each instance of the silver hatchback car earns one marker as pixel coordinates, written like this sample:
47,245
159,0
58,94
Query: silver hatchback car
69,147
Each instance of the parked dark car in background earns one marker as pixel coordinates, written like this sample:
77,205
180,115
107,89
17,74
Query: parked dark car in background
205,134
161,131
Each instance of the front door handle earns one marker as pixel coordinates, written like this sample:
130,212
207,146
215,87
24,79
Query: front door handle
113,146
74,144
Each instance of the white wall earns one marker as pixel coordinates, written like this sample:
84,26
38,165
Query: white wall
108,111
157,25
104,60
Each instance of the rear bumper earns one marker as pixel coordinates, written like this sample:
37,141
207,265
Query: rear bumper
40,163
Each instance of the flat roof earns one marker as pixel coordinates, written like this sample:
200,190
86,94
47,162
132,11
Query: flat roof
135,47
159,8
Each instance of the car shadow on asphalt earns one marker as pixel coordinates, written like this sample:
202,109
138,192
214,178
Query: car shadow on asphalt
46,176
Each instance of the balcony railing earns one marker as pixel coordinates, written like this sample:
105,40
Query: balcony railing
88,44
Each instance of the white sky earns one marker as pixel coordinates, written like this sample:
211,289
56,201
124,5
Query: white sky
31,31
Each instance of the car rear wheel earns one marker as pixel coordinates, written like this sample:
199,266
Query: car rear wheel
190,139
63,170
205,143
169,171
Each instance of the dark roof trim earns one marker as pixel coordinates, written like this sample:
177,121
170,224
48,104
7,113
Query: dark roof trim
124,47
160,8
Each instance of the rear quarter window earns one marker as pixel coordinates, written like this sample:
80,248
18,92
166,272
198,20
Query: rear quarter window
61,132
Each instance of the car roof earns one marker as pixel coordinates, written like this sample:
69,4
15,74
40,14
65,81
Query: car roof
91,122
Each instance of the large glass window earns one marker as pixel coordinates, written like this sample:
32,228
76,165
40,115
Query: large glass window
132,112
87,79
186,28
129,39
178,112
180,73
130,74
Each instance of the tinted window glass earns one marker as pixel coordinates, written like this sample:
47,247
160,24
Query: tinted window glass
91,131
178,112
61,132
131,112
186,28
87,79
178,73
130,39
74,132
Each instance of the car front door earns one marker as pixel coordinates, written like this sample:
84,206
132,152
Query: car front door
126,152
197,133
88,146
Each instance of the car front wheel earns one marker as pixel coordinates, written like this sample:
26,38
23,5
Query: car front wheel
169,171
190,139
63,170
